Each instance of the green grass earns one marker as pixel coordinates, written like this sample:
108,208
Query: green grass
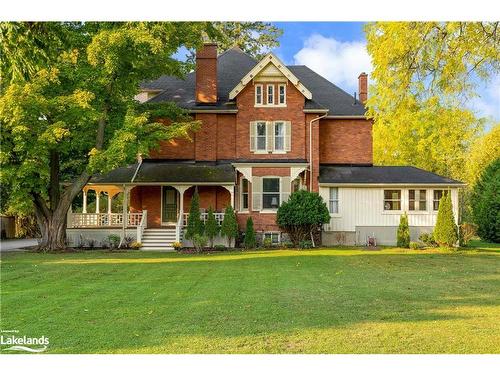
282,301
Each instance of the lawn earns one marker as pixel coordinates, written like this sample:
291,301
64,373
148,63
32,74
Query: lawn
281,301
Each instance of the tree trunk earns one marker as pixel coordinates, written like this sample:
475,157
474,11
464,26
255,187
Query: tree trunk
53,234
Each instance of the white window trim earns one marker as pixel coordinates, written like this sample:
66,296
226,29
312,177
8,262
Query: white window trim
339,200
244,210
257,104
257,150
419,212
268,86
279,96
271,233
402,203
270,210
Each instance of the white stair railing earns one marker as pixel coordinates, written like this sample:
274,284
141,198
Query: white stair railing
143,224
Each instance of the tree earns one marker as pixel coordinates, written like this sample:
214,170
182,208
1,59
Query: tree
302,216
403,236
484,151
425,72
229,226
67,110
250,238
486,203
194,223
212,229
445,231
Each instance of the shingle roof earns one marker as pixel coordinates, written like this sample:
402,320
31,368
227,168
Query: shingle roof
232,66
380,175
170,171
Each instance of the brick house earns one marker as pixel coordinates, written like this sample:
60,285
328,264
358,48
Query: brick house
267,130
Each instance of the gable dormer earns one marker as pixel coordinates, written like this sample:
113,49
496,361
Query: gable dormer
270,78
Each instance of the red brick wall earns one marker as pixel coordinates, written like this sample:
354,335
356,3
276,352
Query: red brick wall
216,197
267,171
346,141
147,198
206,137
206,74
261,221
226,136
248,112
180,148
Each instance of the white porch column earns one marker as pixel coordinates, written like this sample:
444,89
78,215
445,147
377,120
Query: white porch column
180,220
97,196
110,197
126,189
84,210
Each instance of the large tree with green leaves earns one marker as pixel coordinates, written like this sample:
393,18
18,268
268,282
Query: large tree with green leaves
67,109
424,73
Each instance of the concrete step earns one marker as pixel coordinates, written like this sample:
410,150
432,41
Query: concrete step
165,249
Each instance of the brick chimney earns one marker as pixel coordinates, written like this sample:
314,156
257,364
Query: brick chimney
206,74
363,87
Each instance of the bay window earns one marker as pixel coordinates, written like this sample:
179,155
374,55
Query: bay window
279,136
261,136
244,194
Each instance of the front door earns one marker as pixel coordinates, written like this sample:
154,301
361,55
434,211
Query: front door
169,205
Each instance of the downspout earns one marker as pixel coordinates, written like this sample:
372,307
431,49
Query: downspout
310,149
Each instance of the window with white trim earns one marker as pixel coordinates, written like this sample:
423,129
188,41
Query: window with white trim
273,236
270,94
417,200
279,136
436,197
392,200
244,195
282,94
261,136
258,94
334,200
270,192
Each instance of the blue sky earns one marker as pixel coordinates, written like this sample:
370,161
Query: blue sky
337,50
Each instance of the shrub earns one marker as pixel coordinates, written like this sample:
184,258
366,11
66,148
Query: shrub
135,245
211,227
229,227
445,231
466,232
220,247
414,245
114,241
199,242
127,241
267,243
305,244
177,246
91,243
427,239
194,224
485,203
302,216
250,240
403,236
287,244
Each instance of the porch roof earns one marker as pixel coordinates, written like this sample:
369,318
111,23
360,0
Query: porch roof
164,171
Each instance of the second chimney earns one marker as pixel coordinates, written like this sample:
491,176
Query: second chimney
206,74
363,87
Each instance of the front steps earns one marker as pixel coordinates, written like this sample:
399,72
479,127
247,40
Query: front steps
158,239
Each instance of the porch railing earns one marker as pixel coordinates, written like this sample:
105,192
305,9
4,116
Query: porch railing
219,217
142,225
91,220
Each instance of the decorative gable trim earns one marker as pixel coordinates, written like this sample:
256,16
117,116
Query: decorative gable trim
263,64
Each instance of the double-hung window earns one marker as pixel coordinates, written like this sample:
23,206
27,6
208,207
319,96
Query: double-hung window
244,194
270,94
436,197
417,200
279,136
258,95
261,137
270,192
334,200
282,94
392,200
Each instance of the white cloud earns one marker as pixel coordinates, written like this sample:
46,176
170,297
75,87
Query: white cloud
339,62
